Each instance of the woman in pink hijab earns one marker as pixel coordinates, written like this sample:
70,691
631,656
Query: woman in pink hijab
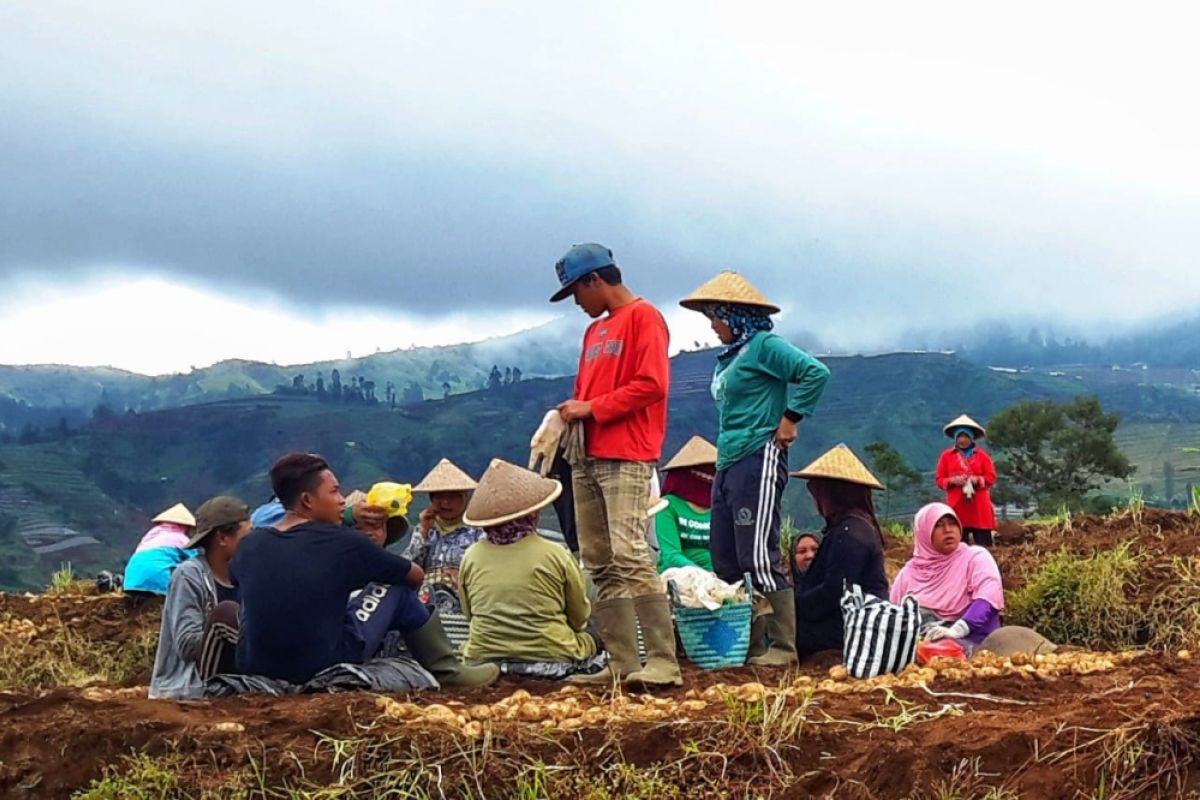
957,583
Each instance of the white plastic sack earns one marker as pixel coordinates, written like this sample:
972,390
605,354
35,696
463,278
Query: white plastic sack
699,588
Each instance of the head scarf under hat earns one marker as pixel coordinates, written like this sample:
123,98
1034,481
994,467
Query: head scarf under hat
743,320
969,450
165,534
947,584
693,484
512,531
817,536
837,501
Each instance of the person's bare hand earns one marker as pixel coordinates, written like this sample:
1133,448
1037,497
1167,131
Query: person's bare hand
786,433
573,410
425,521
416,576
958,480
369,517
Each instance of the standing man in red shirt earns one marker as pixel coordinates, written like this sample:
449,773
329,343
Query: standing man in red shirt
621,401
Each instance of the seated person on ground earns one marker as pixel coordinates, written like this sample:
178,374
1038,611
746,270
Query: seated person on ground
804,550
851,550
683,527
294,579
524,595
383,529
442,538
161,549
957,585
199,631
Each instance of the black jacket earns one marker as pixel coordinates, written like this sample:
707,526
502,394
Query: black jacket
851,552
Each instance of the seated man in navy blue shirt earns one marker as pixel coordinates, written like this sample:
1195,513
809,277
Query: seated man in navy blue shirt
295,577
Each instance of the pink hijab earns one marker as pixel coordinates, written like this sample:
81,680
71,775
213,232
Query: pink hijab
165,534
947,584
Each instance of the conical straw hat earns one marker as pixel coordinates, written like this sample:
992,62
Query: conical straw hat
446,477
178,514
840,464
728,287
963,421
697,452
507,492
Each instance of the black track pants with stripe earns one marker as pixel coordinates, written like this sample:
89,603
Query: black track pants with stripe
747,498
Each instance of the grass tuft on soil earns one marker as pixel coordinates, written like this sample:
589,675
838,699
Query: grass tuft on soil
1081,600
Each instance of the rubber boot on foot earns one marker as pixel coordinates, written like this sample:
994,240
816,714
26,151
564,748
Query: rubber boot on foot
432,649
616,622
658,631
781,632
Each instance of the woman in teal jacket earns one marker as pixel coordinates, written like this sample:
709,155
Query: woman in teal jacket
763,386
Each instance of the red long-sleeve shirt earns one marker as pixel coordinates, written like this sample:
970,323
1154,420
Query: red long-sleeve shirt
625,374
976,512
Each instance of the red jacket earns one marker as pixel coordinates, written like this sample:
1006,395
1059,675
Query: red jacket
976,512
625,373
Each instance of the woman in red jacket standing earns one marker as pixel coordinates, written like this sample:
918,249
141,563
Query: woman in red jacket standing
966,473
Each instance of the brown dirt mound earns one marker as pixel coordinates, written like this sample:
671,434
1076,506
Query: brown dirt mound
1134,730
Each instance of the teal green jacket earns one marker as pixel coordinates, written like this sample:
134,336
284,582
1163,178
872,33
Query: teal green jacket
754,388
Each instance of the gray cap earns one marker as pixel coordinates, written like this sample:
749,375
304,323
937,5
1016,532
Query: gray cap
218,512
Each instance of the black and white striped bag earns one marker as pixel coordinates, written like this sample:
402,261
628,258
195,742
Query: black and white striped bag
880,637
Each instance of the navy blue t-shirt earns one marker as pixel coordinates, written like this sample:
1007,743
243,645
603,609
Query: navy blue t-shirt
293,587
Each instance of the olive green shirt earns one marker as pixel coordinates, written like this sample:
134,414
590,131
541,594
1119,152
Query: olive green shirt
525,601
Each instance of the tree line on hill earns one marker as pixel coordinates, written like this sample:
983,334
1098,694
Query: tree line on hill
361,389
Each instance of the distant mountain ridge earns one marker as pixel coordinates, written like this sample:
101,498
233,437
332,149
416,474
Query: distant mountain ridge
41,395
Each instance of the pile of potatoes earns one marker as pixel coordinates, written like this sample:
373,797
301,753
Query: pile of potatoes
570,709
1045,667
17,628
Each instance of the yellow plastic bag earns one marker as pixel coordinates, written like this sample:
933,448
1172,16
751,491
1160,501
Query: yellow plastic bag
395,497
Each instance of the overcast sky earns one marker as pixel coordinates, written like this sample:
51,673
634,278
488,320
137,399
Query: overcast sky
383,174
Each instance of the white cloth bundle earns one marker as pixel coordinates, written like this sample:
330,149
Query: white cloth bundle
699,588
544,443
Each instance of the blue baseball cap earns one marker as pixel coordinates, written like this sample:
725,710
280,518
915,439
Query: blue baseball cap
579,262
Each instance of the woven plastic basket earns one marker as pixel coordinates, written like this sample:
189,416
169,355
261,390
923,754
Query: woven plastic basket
714,639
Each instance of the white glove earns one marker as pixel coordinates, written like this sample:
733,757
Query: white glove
544,443
956,631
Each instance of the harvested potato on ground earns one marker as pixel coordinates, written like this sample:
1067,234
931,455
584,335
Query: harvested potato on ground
391,708
748,692
481,712
571,725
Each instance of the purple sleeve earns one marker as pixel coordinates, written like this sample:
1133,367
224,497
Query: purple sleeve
980,615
